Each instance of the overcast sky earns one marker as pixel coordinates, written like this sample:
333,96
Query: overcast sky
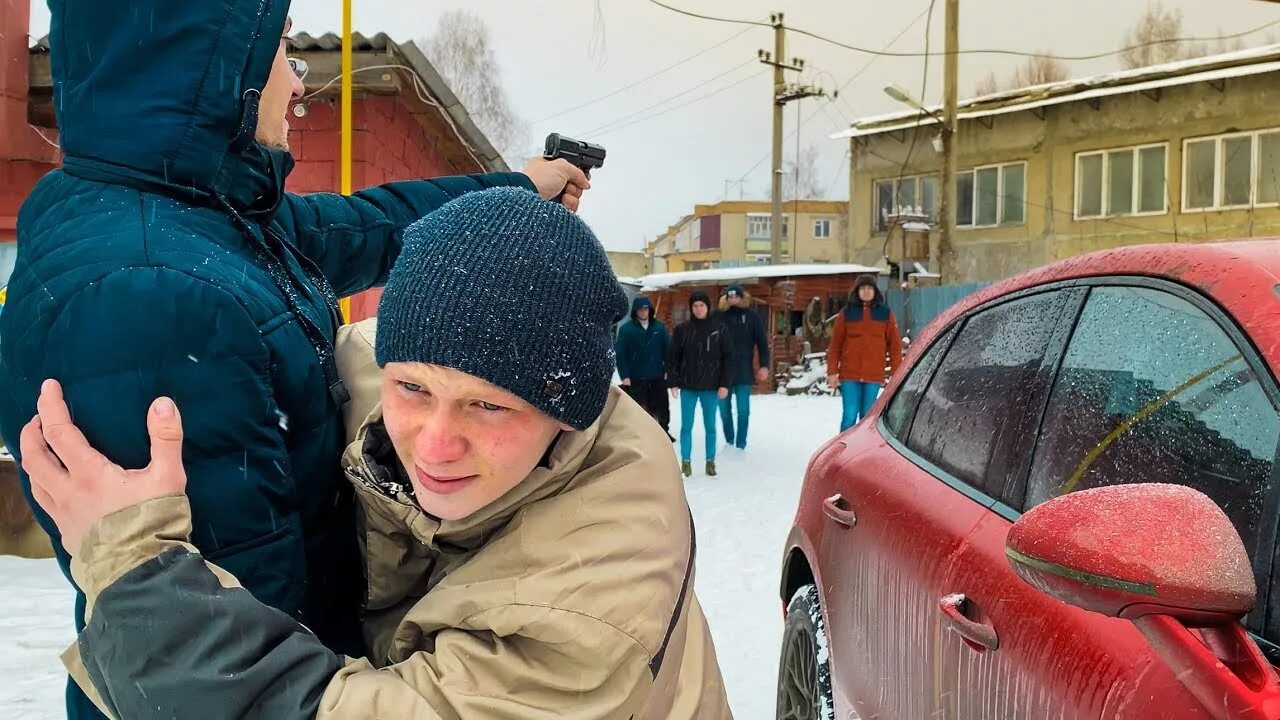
555,55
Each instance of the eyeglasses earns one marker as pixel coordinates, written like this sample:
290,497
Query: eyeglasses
299,67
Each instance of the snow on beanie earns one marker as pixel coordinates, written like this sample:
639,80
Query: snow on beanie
510,288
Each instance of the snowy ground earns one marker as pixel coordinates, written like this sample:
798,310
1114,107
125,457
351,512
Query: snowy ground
742,517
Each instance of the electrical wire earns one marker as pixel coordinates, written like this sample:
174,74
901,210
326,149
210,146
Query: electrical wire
423,93
847,83
693,101
626,119
1015,53
924,88
644,79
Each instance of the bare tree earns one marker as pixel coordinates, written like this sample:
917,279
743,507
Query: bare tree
1153,39
462,52
811,187
1039,70
988,85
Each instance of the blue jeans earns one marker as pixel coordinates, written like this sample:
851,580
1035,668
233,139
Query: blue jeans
689,400
857,398
742,395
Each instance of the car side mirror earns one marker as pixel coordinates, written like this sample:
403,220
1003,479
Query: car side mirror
1166,558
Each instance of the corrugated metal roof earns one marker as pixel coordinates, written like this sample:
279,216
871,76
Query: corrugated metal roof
479,145
1254,61
329,42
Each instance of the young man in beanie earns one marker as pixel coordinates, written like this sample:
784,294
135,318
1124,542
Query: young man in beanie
748,337
699,369
642,357
526,540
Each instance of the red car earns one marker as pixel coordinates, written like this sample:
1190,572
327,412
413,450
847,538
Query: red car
943,563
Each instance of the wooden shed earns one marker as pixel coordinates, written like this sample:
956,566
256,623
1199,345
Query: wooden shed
793,301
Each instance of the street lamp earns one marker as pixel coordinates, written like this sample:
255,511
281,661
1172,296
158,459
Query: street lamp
945,145
904,96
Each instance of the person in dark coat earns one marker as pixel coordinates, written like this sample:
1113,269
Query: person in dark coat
166,258
699,369
641,348
749,338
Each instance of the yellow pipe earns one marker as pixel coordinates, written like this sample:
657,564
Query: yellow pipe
345,157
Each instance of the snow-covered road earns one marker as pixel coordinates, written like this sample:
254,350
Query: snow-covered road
742,517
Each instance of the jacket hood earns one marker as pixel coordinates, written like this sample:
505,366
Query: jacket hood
168,99
747,301
866,280
641,302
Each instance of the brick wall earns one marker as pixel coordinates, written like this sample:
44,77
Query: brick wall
387,144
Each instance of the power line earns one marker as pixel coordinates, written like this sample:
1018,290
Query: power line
710,17
645,79
847,83
1015,53
839,170
683,105
660,103
924,89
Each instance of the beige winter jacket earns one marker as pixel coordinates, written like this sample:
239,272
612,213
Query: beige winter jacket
570,598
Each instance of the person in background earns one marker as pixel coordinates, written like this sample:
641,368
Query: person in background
641,348
699,367
864,340
747,333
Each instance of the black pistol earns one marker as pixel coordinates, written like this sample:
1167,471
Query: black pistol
584,155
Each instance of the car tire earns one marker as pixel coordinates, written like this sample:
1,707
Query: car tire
804,670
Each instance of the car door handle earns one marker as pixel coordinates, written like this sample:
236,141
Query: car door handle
837,509
979,636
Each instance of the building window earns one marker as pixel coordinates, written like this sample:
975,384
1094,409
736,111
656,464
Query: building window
822,228
759,226
1127,181
992,196
894,195
1231,171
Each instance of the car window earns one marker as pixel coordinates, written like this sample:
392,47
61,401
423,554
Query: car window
971,415
898,415
1152,390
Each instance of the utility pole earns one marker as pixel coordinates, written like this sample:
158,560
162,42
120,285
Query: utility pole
783,93
946,204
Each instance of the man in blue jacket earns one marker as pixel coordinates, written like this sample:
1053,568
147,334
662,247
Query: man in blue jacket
642,356
165,258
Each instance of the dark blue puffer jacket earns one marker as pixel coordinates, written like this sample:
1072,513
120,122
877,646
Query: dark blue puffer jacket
165,258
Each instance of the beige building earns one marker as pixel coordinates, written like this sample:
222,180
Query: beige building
1184,152
737,233
629,264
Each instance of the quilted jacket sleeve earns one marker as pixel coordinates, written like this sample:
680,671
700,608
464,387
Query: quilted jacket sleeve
356,239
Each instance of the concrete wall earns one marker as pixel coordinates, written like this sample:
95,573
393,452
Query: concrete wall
1049,147
629,264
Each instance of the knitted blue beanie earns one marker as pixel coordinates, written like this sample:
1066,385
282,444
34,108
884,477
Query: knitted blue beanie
510,288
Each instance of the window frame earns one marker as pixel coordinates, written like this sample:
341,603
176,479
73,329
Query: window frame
1255,157
896,181
1265,554
1105,154
1000,194
830,226
1054,353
